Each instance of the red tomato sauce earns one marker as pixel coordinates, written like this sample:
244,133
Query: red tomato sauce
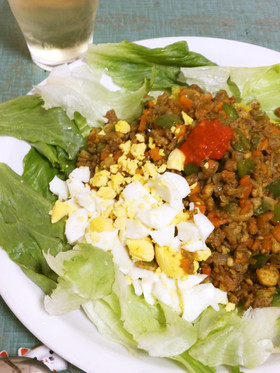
209,139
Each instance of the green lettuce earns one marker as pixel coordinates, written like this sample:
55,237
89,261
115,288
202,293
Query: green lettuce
227,338
261,83
51,132
26,230
85,273
81,95
129,64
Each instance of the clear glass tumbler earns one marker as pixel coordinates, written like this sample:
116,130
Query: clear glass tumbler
56,31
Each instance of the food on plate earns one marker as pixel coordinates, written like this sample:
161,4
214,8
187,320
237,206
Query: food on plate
160,210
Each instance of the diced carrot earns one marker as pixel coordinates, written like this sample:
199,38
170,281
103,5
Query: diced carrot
267,243
180,130
249,243
264,168
104,154
263,145
200,206
246,181
257,153
219,106
206,97
195,188
264,218
143,122
245,205
206,271
186,102
276,130
117,155
256,245
216,220
276,232
154,154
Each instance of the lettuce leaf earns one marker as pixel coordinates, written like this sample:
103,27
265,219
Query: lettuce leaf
226,338
129,64
85,273
77,90
261,83
26,119
26,230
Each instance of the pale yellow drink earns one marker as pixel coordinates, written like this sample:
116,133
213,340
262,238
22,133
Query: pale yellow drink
56,31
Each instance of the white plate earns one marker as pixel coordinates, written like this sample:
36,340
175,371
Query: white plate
72,336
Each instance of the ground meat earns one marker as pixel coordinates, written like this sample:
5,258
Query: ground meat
234,192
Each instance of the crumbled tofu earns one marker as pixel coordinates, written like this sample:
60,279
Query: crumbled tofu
100,178
125,147
106,192
138,150
186,118
122,126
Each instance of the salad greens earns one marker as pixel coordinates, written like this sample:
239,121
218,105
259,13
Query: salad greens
55,121
261,83
26,230
130,64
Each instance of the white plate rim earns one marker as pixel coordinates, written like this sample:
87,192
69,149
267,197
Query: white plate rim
72,336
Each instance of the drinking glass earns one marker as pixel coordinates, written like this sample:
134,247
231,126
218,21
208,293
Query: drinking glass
56,31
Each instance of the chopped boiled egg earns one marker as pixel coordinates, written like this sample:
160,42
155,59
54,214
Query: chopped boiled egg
169,261
176,160
75,225
204,225
59,188
141,249
135,229
61,209
141,218
158,217
196,299
164,236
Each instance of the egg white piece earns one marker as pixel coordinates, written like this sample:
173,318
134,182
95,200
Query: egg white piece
191,281
138,197
200,297
164,236
166,291
172,188
204,225
103,240
158,217
76,224
75,186
121,257
87,198
81,173
194,246
135,229
187,231
59,188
